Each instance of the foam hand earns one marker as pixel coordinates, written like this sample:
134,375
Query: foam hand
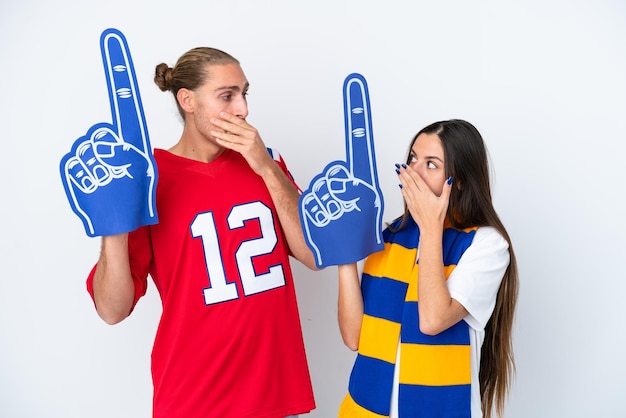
110,175
341,212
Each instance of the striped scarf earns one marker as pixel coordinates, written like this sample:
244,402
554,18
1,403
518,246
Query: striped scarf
435,373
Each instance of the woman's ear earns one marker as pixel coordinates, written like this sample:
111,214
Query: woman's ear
186,100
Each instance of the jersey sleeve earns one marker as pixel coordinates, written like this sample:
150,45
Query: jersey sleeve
140,257
475,281
281,163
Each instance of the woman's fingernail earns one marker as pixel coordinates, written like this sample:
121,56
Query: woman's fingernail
450,179
397,165
397,171
403,165
399,185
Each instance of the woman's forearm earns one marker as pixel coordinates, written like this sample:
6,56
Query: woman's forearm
350,305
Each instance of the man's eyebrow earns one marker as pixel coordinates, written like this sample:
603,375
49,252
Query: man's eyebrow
233,88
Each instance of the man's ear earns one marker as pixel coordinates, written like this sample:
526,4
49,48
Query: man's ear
186,100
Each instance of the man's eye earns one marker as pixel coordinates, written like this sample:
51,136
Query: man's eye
227,97
244,94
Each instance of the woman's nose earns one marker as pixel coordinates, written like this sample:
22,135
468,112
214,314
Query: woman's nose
416,166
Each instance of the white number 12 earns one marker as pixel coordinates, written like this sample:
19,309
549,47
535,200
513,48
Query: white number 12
220,290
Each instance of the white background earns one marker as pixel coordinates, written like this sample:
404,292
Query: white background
544,81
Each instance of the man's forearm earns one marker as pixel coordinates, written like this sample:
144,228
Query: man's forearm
113,287
285,197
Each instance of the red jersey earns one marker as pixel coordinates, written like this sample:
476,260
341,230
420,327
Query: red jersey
229,342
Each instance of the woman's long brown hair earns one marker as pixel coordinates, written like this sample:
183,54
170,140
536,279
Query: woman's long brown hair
471,205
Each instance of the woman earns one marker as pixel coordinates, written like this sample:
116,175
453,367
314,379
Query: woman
447,352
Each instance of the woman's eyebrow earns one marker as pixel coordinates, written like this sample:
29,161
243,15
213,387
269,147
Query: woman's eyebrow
427,157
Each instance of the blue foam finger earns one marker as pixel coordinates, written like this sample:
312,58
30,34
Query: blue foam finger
351,226
110,175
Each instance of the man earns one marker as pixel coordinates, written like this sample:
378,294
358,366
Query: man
229,342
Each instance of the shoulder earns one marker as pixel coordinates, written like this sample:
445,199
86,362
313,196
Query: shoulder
278,158
488,236
275,154
488,248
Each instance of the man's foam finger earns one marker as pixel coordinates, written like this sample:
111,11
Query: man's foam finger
91,164
124,98
359,137
314,210
79,176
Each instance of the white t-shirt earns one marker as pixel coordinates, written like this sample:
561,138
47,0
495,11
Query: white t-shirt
474,283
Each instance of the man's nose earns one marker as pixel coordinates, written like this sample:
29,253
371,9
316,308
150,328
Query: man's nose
240,107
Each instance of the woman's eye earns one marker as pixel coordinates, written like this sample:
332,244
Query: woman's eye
413,159
431,165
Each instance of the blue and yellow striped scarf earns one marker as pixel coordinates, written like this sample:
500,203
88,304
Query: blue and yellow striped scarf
435,373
